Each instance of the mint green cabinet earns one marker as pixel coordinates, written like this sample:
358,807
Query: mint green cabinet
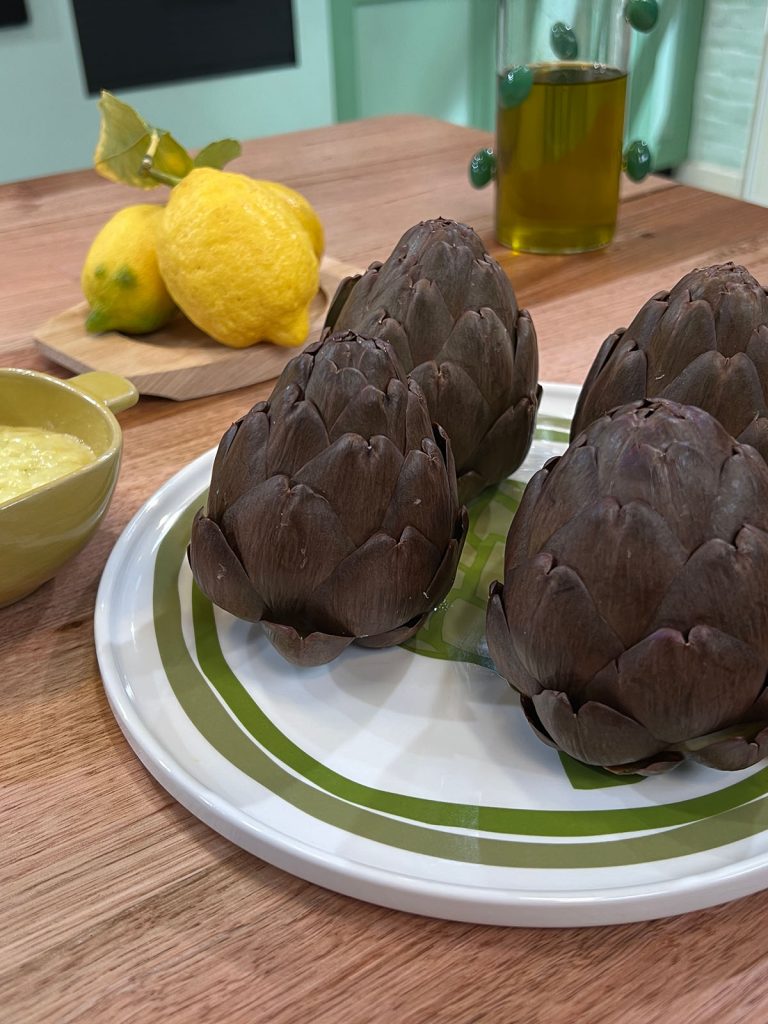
662,81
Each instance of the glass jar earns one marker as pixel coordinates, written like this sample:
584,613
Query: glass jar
561,93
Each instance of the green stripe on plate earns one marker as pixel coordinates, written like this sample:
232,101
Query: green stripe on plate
438,812
546,434
211,719
560,423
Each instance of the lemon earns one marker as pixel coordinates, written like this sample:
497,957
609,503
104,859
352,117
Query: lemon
303,210
237,259
121,279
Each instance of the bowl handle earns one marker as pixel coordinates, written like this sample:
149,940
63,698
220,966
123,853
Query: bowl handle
115,392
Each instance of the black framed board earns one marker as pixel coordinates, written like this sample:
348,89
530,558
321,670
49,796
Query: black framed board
129,43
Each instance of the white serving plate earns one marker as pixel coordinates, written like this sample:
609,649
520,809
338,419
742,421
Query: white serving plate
406,779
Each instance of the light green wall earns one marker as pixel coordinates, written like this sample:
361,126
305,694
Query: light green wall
413,58
48,123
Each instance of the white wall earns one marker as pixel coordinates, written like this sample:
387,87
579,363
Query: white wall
48,123
726,88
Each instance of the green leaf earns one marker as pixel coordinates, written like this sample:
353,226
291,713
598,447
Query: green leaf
125,143
217,154
171,158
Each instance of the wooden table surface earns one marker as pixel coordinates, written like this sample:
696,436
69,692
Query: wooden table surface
116,904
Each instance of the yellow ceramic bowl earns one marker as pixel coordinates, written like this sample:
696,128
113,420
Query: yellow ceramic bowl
43,528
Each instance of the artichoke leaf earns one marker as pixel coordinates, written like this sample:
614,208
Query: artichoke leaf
315,648
224,580
595,733
343,292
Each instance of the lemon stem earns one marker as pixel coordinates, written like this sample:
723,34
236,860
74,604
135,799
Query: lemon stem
165,179
147,163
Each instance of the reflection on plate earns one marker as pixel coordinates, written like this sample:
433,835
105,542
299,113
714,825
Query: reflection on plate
407,777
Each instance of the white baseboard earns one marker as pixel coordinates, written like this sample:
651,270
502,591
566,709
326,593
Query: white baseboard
710,177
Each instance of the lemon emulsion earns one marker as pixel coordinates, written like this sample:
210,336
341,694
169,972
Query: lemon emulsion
31,457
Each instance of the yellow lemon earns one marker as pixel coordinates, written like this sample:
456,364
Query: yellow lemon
303,210
121,279
237,259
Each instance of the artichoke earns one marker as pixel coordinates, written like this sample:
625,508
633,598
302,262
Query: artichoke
705,343
450,313
332,514
633,618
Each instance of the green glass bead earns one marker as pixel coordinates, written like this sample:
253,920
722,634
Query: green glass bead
514,86
642,15
563,41
637,160
482,168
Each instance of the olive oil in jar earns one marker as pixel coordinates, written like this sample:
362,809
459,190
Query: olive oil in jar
559,156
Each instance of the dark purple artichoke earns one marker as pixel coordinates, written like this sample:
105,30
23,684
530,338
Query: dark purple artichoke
450,313
705,343
633,618
332,515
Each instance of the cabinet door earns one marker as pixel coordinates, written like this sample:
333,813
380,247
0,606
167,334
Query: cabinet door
662,78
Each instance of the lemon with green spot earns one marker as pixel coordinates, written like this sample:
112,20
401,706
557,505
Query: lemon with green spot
121,279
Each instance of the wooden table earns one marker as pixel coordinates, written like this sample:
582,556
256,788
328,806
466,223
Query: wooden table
117,905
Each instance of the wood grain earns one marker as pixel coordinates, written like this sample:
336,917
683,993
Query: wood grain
179,361
117,905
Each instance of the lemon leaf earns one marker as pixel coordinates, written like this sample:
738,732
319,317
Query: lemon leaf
217,154
171,158
126,140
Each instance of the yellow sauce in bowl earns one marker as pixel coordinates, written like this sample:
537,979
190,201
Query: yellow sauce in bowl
31,457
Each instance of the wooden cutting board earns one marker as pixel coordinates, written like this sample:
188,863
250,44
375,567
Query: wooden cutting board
179,361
